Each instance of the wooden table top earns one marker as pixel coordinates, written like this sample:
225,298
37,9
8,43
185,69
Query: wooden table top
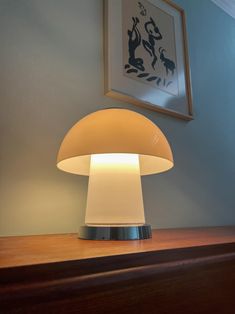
43,249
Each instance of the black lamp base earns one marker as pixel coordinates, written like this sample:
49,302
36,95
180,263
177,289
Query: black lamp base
115,233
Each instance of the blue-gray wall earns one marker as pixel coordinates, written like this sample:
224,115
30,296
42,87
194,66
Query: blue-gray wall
51,75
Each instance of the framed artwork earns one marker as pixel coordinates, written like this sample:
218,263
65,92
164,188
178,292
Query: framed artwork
146,55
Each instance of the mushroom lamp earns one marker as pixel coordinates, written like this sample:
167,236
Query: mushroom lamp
115,147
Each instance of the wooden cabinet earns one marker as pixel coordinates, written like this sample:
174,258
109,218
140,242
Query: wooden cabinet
177,271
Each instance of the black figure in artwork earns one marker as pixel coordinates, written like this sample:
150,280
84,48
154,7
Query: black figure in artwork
134,42
143,11
153,34
168,64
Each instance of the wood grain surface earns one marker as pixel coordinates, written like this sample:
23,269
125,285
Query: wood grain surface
30,250
178,271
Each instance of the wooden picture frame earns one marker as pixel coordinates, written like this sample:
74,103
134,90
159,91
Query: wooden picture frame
146,55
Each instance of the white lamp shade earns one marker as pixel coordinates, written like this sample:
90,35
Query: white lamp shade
112,131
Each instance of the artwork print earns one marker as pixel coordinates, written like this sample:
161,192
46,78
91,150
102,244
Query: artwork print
149,52
146,59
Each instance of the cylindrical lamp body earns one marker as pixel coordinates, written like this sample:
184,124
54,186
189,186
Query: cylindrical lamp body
114,191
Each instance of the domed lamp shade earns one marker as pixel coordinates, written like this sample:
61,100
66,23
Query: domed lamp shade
114,147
